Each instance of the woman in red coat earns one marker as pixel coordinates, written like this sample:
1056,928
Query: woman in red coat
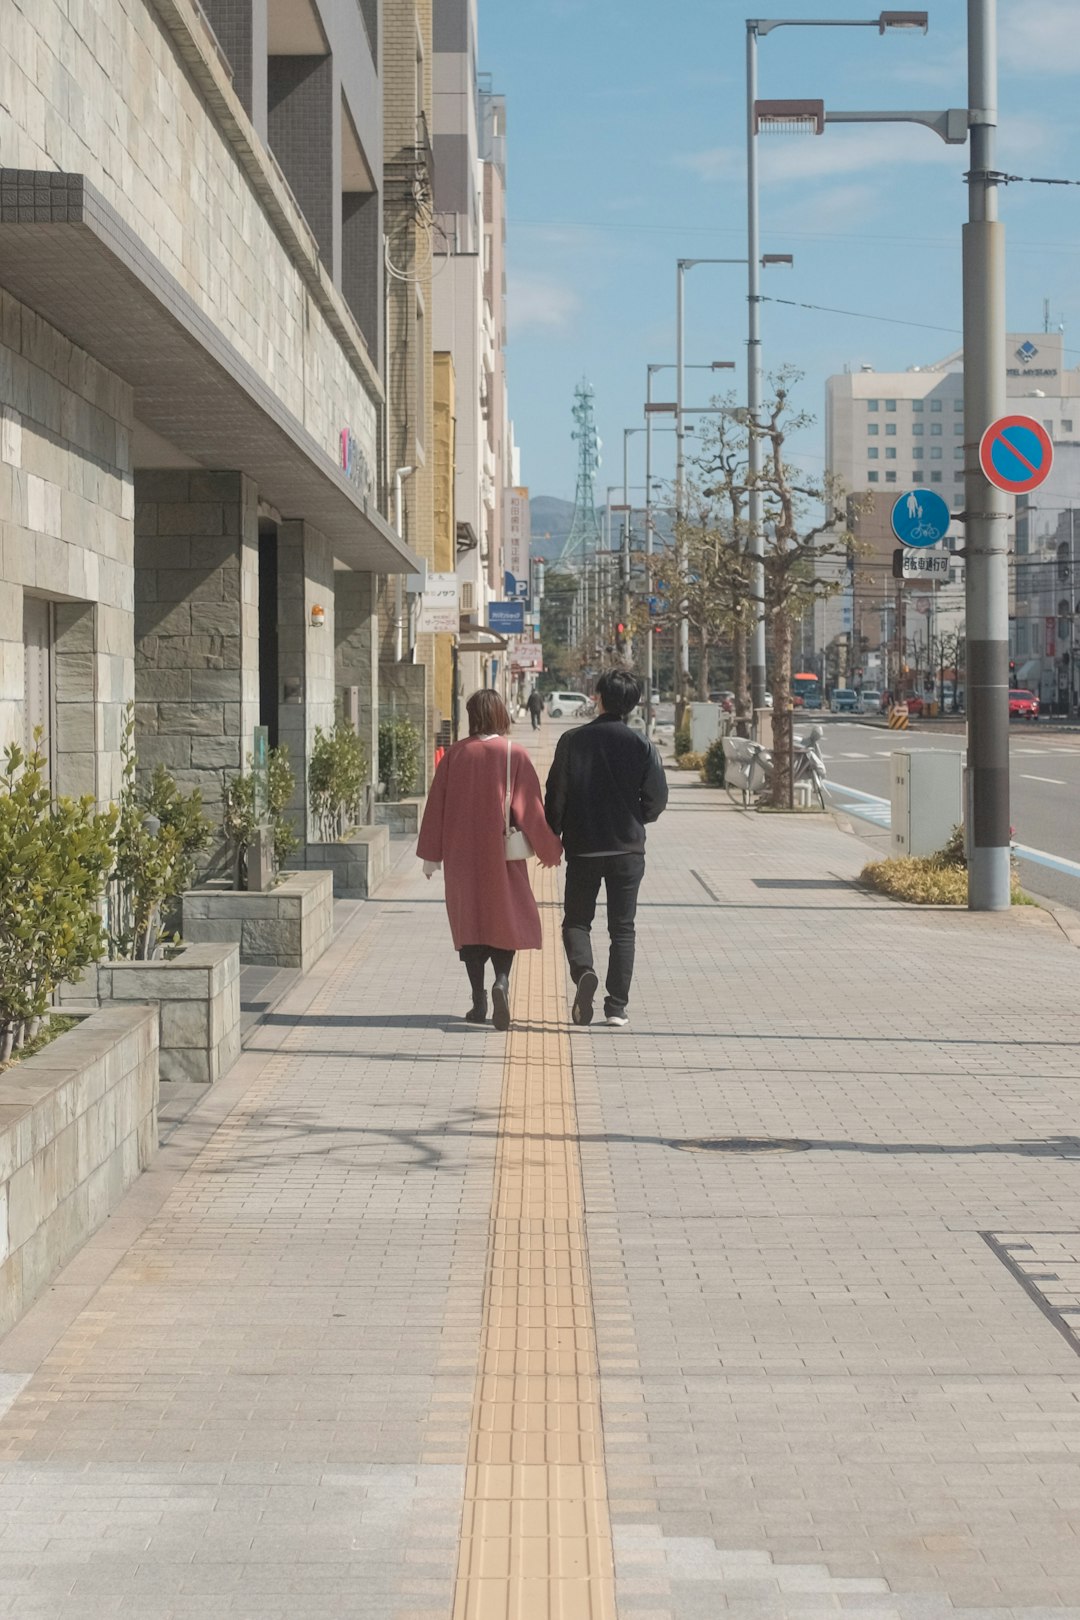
489,899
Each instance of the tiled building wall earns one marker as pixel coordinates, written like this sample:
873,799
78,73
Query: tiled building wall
66,504
147,140
196,625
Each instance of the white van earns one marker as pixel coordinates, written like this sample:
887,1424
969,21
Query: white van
563,703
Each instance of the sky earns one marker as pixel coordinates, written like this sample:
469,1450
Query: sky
626,151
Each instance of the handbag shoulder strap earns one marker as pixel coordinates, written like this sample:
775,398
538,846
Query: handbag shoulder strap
506,806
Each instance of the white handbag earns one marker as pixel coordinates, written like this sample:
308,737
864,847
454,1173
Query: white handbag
516,846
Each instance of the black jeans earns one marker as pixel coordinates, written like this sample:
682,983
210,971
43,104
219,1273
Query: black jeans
621,876
534,716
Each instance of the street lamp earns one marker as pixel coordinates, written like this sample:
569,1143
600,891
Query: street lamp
986,581
758,28
628,634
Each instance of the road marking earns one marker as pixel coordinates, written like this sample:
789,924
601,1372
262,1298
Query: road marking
1054,781
1057,863
855,756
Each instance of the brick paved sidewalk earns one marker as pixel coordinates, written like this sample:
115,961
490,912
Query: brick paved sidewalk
835,1358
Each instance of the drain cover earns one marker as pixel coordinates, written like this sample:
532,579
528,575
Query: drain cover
738,1144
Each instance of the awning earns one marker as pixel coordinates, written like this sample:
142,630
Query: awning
68,255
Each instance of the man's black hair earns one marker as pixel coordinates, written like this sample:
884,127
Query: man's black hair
619,692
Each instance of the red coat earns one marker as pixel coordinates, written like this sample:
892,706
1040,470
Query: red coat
489,899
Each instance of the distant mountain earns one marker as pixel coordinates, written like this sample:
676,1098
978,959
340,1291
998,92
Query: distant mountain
551,518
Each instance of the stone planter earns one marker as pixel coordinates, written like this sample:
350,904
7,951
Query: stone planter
289,926
358,863
402,816
78,1123
198,997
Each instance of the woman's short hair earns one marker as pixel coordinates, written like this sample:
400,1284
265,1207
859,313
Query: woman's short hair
487,714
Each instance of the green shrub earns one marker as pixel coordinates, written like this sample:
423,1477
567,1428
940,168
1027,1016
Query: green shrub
681,742
712,770
399,757
337,775
160,833
54,859
240,820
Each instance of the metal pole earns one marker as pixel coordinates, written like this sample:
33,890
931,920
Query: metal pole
683,634
649,584
987,586
755,539
624,559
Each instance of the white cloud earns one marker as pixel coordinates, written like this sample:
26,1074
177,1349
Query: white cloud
854,149
835,208
1040,36
539,303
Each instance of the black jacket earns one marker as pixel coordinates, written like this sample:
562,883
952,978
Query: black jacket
605,783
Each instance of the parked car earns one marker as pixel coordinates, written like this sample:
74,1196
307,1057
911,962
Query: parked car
845,700
1023,705
915,704
566,703
869,702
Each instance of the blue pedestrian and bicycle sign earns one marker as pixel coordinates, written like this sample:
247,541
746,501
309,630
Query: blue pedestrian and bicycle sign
1016,454
920,518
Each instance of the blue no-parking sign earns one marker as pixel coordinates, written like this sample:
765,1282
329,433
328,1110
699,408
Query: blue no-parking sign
920,518
1016,454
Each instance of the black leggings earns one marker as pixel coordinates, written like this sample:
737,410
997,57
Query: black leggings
476,957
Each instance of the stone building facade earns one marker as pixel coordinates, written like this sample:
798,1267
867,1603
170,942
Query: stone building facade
192,448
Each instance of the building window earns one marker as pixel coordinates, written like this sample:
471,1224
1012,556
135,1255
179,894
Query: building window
467,600
958,477
872,477
918,405
958,452
890,430
958,404
1049,426
918,453
935,404
958,427
935,454
935,429
1066,424
872,404
918,428
873,453
890,478
890,404
872,428
935,478
890,454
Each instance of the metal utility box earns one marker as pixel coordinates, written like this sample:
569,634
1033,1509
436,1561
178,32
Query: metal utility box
927,790
704,726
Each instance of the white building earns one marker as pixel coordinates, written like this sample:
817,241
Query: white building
890,431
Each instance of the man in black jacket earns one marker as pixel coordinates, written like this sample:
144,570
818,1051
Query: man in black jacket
606,782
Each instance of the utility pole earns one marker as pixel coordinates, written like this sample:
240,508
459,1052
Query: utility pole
682,636
987,525
755,538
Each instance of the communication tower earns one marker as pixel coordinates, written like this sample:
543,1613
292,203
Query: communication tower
584,537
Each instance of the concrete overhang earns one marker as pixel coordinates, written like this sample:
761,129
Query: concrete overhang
68,255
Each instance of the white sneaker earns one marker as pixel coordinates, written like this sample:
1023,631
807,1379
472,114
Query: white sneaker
617,1020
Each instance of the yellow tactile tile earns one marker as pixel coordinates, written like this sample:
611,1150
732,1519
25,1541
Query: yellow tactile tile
536,1534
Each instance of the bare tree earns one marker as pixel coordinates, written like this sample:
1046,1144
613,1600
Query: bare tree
795,546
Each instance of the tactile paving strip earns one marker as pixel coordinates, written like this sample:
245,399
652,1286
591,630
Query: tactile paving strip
536,1536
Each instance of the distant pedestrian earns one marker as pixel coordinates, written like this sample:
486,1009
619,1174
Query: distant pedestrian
489,899
535,706
605,784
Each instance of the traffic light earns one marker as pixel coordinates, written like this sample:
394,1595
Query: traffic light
898,563
620,636
1012,671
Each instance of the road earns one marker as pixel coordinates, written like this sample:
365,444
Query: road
1045,794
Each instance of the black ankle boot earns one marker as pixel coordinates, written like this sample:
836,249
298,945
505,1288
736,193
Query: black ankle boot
478,1012
500,1001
